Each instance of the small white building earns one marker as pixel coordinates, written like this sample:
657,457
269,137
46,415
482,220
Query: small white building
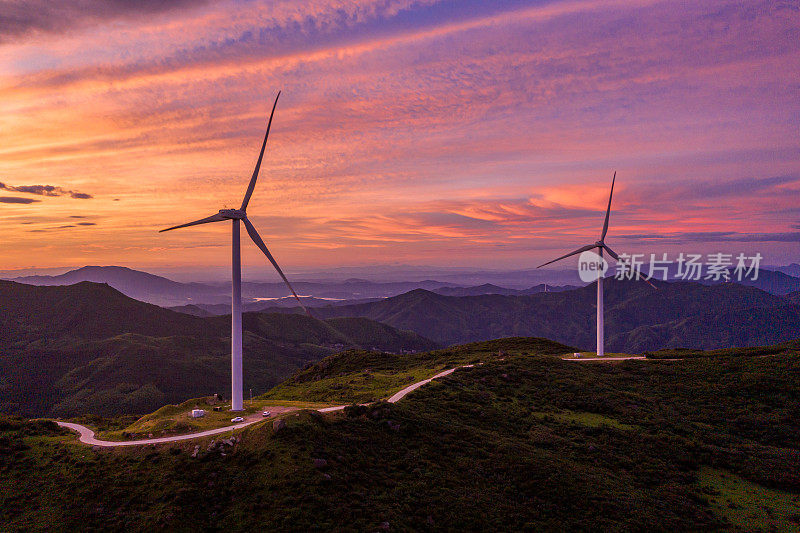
198,413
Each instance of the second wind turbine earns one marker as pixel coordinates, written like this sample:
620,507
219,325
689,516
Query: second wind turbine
235,215
600,245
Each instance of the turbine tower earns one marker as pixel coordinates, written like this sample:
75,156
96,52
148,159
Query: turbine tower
236,215
600,245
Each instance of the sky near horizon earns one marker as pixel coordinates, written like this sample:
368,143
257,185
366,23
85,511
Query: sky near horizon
430,132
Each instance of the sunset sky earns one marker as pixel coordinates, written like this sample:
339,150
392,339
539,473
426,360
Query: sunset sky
424,132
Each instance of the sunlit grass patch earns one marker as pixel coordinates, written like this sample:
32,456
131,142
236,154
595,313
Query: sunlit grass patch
362,387
748,505
585,419
176,420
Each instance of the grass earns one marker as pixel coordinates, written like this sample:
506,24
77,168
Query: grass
363,387
593,420
748,505
785,348
355,376
358,376
594,355
519,443
300,404
176,420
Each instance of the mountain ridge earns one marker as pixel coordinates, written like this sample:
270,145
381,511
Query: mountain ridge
87,348
631,307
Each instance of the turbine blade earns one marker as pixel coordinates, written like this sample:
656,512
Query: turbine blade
611,252
579,250
212,218
252,184
647,280
608,211
260,243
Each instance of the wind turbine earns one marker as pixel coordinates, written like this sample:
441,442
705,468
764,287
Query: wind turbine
600,245
236,215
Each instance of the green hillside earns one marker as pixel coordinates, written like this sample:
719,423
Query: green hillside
794,297
39,315
522,442
638,317
358,376
87,348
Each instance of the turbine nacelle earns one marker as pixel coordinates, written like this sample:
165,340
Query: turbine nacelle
233,214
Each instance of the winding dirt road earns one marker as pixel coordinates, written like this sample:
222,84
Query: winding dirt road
86,435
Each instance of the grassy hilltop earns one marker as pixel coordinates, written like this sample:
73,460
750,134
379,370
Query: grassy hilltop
521,442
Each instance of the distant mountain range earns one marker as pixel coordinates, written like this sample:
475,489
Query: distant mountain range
87,348
134,283
214,298
446,314
774,282
792,270
290,302
207,299
638,317
488,288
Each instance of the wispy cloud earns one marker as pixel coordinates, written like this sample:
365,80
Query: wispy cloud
36,17
45,190
715,236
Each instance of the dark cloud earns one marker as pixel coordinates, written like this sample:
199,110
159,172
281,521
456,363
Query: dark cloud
45,190
743,186
75,225
16,200
22,18
714,236
65,226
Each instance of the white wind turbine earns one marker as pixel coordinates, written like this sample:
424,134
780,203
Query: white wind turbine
235,215
600,245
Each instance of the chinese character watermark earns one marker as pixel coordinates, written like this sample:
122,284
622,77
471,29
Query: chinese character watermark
717,267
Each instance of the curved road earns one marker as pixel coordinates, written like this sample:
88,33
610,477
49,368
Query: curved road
87,435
